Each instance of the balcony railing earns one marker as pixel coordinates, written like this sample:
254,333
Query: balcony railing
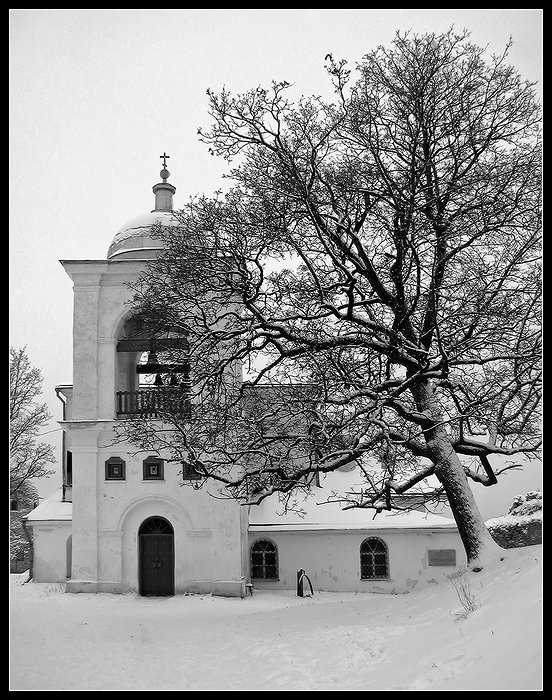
153,403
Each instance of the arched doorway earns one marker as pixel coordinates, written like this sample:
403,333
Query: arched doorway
156,557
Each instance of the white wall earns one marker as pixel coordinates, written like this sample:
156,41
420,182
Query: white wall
209,533
331,559
207,537
50,550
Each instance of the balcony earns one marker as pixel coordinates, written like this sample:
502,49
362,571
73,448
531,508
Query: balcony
154,403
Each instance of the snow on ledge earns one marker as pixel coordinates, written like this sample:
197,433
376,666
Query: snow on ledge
52,508
403,521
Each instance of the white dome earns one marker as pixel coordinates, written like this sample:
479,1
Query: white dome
134,239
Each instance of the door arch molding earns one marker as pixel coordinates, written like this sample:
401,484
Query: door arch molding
144,507
139,509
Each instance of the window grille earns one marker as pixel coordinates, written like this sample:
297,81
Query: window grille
264,560
374,559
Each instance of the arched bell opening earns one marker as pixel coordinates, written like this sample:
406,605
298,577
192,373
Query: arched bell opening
153,371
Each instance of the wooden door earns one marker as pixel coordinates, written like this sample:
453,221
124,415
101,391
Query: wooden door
156,558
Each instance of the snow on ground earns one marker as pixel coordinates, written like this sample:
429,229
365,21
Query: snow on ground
277,641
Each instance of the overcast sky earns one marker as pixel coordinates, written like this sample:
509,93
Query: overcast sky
97,95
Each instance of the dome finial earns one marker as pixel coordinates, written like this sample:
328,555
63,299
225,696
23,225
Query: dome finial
164,190
164,173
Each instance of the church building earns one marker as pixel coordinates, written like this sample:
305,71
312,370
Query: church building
128,522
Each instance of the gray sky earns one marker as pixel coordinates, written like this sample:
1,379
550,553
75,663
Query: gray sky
97,95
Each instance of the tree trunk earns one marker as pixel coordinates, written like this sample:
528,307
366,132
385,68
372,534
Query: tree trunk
477,540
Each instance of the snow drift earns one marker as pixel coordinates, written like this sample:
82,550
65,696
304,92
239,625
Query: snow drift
276,641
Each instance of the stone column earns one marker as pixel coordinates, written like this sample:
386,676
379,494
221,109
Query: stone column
85,347
84,570
228,543
107,348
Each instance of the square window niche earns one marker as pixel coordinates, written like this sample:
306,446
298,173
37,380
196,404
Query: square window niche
115,469
153,469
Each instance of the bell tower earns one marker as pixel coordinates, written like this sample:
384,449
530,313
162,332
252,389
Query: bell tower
123,370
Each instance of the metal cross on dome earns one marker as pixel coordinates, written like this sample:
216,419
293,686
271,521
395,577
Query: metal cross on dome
164,156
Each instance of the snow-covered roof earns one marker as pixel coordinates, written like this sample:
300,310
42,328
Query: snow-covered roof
52,508
319,515
136,234
354,519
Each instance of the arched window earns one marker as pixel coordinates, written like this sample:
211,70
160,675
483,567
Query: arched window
264,560
374,559
156,526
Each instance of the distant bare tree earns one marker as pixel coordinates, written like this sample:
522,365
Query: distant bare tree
374,270
28,458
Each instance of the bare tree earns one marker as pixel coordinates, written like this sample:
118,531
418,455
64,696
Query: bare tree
28,458
374,273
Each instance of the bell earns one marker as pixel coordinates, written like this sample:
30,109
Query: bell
158,380
152,358
173,380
